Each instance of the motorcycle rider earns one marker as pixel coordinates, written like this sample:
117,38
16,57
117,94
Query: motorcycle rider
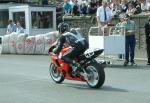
75,40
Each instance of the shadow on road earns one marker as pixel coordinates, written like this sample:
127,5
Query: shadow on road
84,86
112,89
144,67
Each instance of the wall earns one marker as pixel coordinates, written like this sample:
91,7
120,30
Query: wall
85,22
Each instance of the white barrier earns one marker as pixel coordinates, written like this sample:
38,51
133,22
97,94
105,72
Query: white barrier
5,44
21,43
13,42
40,45
30,45
24,44
49,39
112,43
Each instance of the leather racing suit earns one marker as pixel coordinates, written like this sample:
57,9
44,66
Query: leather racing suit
76,41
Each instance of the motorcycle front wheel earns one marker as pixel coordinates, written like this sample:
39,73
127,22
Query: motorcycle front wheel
96,75
55,74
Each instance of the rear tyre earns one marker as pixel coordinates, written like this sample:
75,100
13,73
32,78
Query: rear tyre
56,75
96,75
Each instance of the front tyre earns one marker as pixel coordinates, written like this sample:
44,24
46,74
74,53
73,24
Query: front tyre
95,74
56,75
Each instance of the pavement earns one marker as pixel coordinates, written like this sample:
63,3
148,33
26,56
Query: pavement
25,79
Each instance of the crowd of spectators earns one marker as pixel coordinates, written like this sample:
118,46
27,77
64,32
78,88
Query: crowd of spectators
104,12
89,7
73,7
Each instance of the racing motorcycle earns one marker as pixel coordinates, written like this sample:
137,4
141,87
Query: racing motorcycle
92,72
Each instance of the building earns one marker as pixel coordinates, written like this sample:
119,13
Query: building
34,17
49,2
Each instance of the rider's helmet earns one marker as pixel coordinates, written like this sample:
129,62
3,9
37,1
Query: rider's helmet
63,27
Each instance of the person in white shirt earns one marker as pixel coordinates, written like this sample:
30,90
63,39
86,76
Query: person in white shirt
72,3
147,5
11,27
143,5
19,28
131,9
104,14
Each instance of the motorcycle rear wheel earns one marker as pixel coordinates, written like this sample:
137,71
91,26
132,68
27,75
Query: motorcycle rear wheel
96,75
56,75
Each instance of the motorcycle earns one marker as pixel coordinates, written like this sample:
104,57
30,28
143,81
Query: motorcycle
92,71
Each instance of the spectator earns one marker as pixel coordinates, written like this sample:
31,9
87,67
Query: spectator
19,28
104,14
143,5
123,6
72,2
109,4
130,31
11,27
92,7
59,10
147,32
120,26
76,9
137,6
84,1
131,10
83,8
67,8
116,9
148,5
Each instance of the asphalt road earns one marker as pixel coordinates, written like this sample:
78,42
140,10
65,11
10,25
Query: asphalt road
25,79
